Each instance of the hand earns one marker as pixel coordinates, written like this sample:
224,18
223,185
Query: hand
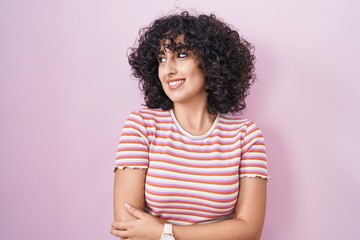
144,227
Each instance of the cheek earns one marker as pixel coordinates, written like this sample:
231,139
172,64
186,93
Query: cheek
161,77
199,75
160,74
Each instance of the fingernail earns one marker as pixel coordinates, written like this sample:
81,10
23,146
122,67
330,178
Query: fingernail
128,206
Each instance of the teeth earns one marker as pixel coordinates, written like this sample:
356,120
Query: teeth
174,83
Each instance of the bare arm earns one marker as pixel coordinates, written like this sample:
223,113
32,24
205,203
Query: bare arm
248,222
129,187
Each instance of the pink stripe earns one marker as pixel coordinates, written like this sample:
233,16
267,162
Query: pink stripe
188,157
189,195
204,181
191,188
191,171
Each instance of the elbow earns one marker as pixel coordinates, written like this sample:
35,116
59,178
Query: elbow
254,235
255,232
257,236
252,231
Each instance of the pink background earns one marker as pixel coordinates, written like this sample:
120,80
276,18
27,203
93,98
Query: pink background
65,91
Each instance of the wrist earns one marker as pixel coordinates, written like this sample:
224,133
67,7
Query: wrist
167,233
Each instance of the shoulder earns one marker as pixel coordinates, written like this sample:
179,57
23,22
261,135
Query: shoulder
153,112
236,121
239,124
149,115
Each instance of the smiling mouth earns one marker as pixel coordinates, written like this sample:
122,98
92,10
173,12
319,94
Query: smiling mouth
175,83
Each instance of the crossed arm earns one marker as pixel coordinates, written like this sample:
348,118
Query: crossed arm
130,222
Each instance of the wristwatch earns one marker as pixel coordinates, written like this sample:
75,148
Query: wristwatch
167,233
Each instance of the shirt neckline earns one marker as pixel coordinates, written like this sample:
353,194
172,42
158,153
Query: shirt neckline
189,135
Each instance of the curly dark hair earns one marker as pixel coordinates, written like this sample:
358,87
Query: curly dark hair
226,60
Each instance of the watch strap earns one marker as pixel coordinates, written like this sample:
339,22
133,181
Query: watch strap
168,229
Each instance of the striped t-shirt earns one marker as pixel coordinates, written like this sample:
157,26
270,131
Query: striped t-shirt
191,179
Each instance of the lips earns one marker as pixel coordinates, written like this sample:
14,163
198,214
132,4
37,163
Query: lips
175,83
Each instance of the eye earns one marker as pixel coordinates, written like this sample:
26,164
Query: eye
161,59
182,55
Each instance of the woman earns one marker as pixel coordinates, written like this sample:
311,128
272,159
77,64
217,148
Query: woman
187,167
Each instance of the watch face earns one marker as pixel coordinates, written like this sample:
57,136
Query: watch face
167,237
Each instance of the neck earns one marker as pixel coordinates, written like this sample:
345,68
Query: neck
194,119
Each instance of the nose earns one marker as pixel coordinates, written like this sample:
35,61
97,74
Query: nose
170,66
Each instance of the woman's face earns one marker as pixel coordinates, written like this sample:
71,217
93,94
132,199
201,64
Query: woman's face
181,77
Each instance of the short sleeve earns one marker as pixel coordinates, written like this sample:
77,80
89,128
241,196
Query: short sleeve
132,151
253,161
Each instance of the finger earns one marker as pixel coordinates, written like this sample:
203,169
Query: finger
134,211
120,225
119,233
